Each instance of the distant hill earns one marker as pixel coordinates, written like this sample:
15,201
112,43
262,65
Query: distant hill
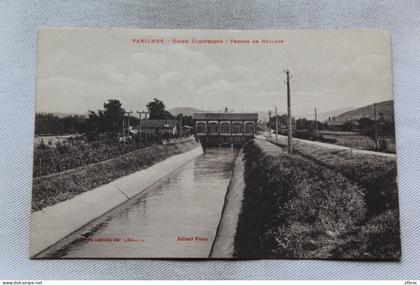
323,116
384,110
186,111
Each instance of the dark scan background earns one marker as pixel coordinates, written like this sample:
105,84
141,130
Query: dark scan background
19,21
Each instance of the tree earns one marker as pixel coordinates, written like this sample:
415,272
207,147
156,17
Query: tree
186,120
366,123
348,126
55,125
108,120
387,128
157,110
113,116
94,123
304,124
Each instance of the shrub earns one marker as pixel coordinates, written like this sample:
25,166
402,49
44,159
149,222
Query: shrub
377,239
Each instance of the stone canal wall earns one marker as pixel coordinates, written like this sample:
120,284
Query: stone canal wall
223,245
91,191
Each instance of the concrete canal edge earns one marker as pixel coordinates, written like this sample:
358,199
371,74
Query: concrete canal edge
224,242
53,223
51,189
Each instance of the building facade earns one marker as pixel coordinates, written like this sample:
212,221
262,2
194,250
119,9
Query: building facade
216,129
159,126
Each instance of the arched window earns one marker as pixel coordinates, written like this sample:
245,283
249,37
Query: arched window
224,128
237,128
201,128
213,128
249,128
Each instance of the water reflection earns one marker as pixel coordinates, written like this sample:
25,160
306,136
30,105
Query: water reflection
177,217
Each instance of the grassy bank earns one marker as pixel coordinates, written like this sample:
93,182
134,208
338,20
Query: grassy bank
376,175
69,152
62,157
316,204
54,188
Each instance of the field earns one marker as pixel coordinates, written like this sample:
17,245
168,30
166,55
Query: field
317,203
58,154
62,157
356,141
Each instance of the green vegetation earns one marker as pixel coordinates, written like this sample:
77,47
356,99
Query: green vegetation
62,157
157,110
317,203
106,122
377,175
51,124
51,189
99,136
367,127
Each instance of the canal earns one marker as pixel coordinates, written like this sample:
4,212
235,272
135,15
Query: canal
176,217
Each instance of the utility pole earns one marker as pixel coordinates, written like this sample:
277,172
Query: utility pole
146,130
139,128
128,120
289,113
316,124
269,122
123,138
277,121
376,126
146,117
180,125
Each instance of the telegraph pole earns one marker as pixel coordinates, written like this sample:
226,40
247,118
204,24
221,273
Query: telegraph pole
289,114
128,121
180,125
146,117
376,126
277,121
139,128
269,122
123,139
146,130
316,124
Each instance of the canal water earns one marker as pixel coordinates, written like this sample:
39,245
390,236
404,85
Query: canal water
176,217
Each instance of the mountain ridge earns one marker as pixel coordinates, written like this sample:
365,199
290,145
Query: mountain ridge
384,110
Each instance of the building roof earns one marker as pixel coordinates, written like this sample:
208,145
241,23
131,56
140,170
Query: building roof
226,116
159,124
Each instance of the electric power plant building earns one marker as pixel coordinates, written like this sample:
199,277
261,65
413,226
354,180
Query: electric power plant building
216,129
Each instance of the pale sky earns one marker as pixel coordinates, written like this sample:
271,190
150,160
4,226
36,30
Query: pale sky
79,70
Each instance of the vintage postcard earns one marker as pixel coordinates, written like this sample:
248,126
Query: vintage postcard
214,144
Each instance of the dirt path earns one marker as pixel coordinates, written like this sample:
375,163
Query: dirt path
283,139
